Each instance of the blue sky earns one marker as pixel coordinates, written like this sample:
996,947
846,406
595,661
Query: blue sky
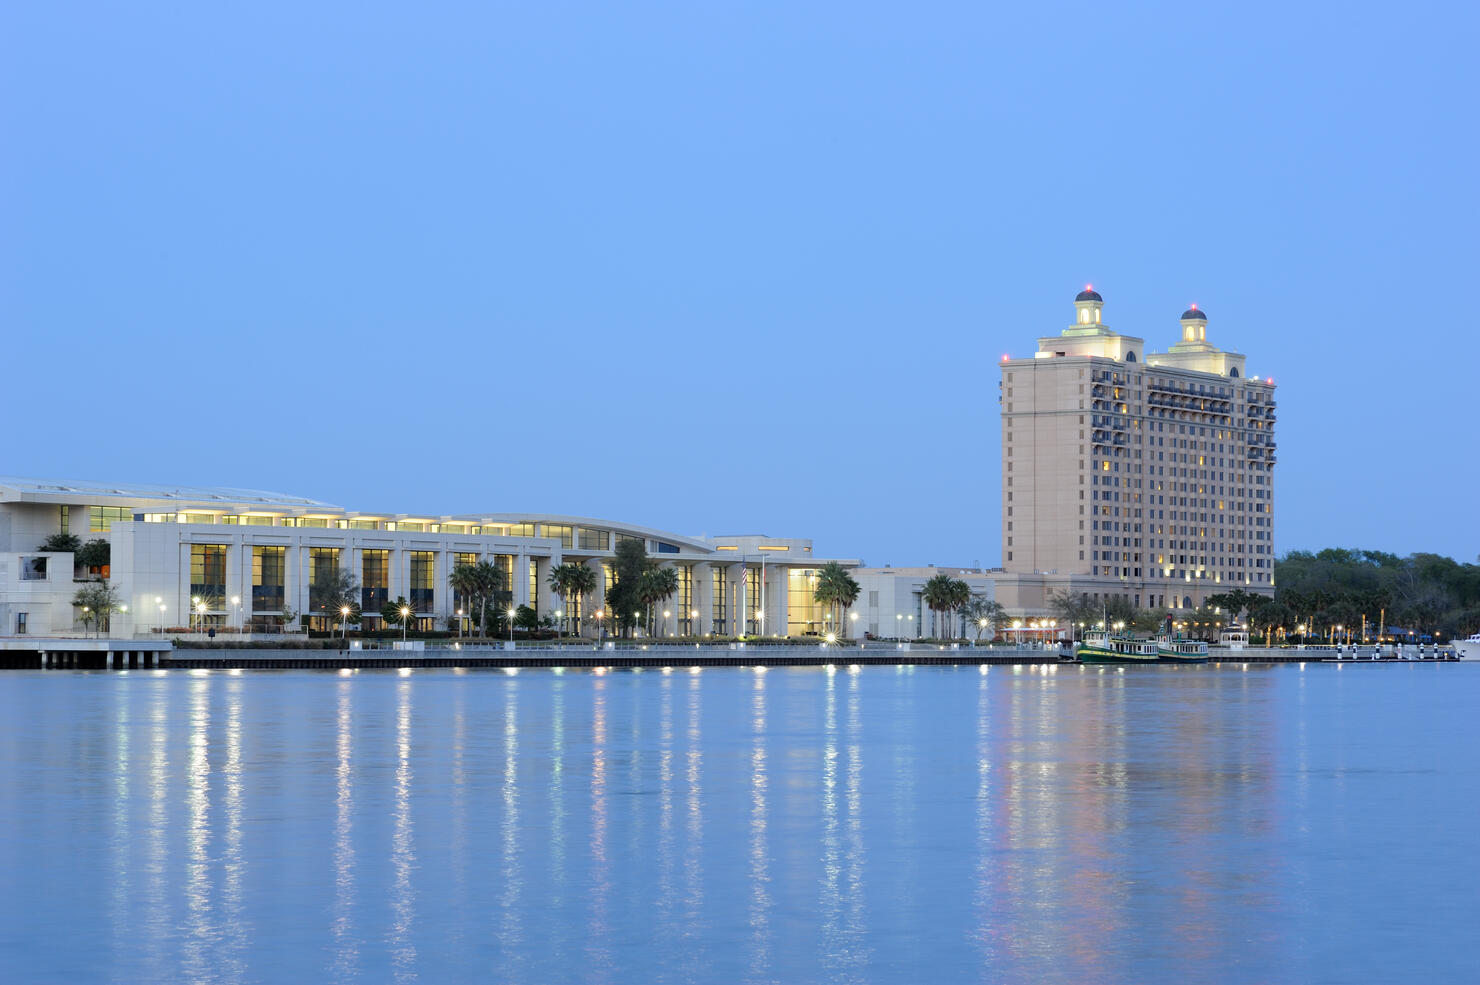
728,268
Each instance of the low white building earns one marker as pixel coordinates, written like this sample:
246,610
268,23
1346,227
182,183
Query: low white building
891,603
186,557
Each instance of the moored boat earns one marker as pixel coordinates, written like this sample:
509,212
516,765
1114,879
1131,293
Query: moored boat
1176,651
1467,649
1102,648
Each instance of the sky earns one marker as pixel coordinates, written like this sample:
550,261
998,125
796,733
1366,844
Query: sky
726,268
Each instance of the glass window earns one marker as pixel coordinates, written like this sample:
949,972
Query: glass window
375,583
269,578
64,517
208,574
594,540
561,531
423,583
102,518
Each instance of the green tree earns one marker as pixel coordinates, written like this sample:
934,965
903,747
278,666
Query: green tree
572,582
836,590
94,555
655,586
983,612
624,598
944,595
331,590
96,603
398,612
61,544
464,581
582,584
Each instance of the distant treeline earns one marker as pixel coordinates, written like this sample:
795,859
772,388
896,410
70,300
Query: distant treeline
1426,593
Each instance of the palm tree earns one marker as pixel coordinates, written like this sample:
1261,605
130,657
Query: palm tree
836,589
488,583
582,583
563,581
464,583
945,595
654,586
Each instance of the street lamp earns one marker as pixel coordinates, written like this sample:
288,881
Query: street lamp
236,603
85,619
853,625
510,614
666,614
405,618
600,627
343,619
194,606
200,622
899,625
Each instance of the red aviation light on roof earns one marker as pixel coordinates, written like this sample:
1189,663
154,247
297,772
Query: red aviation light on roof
1004,357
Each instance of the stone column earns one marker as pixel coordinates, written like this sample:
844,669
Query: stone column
703,600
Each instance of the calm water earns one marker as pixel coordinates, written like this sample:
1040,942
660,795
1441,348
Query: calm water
932,824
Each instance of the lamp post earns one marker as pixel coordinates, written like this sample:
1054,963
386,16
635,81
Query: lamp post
852,625
236,603
343,620
200,622
600,627
194,605
693,618
405,618
161,615
899,625
510,614
86,618
666,614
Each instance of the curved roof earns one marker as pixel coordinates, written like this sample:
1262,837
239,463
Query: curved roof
50,490
1192,314
1088,294
588,522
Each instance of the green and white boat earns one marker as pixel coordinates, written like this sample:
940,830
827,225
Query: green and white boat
1103,648
1170,650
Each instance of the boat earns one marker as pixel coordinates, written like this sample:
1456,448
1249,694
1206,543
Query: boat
1177,651
1468,648
1103,648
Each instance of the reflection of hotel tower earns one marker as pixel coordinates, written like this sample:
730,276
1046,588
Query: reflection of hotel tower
1144,475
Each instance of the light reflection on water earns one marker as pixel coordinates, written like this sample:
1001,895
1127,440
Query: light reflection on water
874,824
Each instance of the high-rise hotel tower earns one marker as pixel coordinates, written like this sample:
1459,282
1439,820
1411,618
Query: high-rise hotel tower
1144,475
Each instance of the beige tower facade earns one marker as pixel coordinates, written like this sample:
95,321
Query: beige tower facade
1130,473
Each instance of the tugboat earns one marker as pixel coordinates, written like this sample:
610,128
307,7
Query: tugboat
1171,648
1105,648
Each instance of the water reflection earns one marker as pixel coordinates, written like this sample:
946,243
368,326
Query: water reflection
346,953
760,852
403,856
692,942
1019,824
510,931
598,938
